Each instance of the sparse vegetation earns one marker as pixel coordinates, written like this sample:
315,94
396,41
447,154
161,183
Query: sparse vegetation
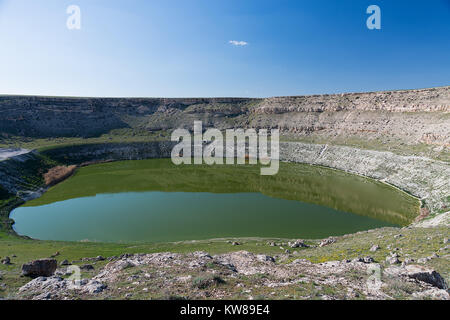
205,281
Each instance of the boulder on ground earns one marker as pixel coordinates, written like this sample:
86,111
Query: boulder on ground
264,258
98,258
423,260
392,260
94,286
39,268
367,259
298,244
427,275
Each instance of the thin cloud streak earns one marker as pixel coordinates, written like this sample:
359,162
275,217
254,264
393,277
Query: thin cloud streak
238,43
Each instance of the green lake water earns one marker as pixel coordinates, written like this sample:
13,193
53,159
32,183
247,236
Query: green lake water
154,200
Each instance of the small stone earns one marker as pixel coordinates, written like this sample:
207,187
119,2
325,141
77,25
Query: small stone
235,243
398,236
368,260
6,261
264,258
44,296
65,263
423,260
87,267
94,286
375,248
326,242
395,255
300,261
434,256
298,244
392,260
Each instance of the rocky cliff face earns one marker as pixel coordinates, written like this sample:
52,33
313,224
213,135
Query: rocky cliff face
422,177
369,120
381,120
86,117
422,100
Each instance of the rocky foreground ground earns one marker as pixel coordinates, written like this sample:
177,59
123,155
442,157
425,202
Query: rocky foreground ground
378,270
199,275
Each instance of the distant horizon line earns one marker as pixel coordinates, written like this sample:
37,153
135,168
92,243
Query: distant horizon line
218,97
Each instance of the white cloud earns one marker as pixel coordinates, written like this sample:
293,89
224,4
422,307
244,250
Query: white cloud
238,43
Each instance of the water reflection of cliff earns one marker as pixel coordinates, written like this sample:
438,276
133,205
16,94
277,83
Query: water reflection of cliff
304,183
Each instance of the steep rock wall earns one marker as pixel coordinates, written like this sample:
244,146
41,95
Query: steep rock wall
377,120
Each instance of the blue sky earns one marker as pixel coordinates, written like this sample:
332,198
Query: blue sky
181,48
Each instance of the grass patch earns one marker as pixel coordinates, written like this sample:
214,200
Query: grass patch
206,281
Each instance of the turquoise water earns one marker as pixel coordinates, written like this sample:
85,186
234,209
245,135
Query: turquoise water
175,216
154,200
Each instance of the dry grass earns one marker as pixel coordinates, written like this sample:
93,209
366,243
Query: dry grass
58,174
424,212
